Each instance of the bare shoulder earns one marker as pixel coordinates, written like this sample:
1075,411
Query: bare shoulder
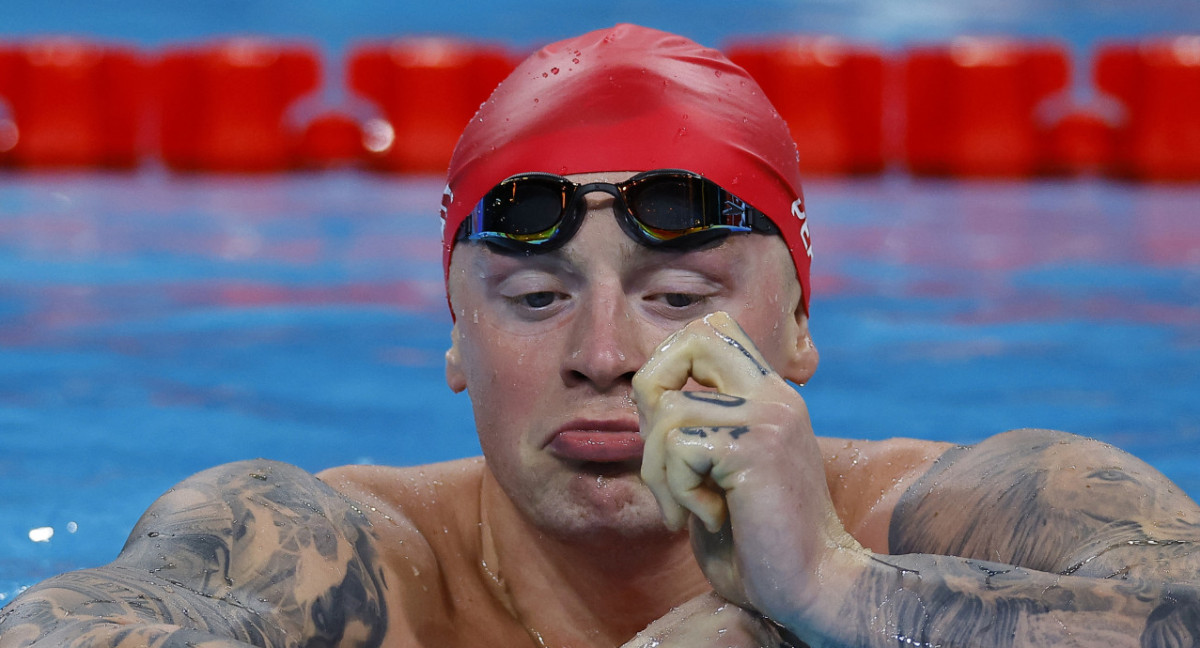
1051,501
428,521
867,478
257,552
414,499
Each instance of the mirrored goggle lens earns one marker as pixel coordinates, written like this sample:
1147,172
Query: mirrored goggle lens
671,206
525,209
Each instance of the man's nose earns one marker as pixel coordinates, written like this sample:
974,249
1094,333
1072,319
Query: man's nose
606,343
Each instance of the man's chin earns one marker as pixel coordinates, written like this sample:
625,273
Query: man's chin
611,469
601,499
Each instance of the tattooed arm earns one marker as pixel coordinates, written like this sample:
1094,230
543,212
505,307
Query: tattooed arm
252,553
1031,538
1057,539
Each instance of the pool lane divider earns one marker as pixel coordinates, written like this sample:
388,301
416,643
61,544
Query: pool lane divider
966,107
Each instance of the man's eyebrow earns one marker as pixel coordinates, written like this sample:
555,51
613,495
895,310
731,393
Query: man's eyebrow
492,262
705,260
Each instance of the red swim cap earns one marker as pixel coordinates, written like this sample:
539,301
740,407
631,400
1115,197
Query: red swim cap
632,99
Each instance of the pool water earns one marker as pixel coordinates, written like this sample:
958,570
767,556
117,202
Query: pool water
152,325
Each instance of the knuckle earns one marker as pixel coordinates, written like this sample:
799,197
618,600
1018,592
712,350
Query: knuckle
670,406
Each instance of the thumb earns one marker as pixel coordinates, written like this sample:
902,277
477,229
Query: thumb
714,552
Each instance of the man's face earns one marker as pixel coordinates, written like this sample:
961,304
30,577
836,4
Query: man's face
547,345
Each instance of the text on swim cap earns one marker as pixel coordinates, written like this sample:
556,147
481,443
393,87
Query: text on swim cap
805,236
447,199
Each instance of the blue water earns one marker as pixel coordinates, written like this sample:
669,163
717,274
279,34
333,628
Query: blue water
153,325
529,22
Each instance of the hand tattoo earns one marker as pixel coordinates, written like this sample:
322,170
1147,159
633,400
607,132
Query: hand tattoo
740,347
715,398
734,431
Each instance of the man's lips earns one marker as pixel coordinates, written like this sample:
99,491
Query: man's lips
597,442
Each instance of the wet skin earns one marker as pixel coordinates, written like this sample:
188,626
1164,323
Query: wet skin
1029,538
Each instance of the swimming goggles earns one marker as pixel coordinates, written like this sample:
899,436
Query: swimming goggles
539,212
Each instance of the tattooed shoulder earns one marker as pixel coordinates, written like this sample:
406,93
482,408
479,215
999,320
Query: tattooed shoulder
258,552
1054,502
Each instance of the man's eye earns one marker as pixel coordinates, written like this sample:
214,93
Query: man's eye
537,299
680,300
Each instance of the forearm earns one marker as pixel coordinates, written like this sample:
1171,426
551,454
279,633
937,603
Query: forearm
112,606
924,600
710,621
103,633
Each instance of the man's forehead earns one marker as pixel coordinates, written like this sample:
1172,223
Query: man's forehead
601,176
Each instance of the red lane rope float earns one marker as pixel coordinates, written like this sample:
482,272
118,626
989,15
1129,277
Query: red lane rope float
971,106
426,90
71,103
831,94
1158,84
222,105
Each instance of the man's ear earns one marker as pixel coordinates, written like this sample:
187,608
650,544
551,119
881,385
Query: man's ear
456,378
802,356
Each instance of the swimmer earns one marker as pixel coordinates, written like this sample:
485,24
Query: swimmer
627,261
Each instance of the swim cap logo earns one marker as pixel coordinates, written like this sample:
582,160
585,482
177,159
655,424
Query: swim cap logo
805,236
447,199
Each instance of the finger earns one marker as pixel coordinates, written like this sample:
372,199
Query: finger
654,475
688,468
714,552
680,450
714,351
731,333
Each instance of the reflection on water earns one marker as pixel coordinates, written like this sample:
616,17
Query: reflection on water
154,325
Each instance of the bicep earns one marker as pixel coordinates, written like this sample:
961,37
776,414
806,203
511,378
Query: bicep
259,552
1053,502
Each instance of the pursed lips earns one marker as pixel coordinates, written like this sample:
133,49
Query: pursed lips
597,441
